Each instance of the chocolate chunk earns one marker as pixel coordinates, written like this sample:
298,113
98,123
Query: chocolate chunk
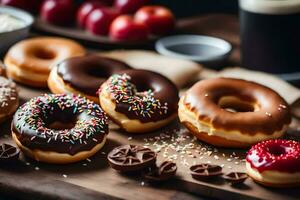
128,158
8,153
235,177
165,171
202,171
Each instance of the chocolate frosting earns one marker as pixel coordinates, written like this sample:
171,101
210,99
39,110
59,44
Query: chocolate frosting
156,95
32,124
203,97
87,73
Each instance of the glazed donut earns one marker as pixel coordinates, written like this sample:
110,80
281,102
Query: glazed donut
139,100
9,100
59,128
275,163
233,113
30,61
83,75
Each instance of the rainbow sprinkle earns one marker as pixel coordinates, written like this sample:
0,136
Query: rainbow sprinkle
140,103
33,116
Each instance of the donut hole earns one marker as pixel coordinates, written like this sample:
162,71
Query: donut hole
277,150
44,54
58,125
61,121
235,104
142,88
94,71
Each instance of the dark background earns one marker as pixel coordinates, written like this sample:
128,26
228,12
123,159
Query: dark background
185,8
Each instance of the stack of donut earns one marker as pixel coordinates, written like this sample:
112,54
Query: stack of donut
68,126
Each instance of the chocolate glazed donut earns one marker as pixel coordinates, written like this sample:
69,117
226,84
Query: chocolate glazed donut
139,100
83,75
59,128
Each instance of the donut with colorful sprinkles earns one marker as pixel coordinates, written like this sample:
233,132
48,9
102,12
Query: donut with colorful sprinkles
275,163
9,99
59,128
139,100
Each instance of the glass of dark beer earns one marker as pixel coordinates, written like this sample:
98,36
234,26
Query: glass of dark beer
270,35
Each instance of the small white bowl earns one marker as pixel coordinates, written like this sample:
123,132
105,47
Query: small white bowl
207,50
10,37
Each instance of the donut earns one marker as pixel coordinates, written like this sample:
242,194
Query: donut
2,69
275,163
83,75
9,99
139,100
30,61
233,113
59,128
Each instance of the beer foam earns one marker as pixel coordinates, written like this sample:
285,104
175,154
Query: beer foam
275,7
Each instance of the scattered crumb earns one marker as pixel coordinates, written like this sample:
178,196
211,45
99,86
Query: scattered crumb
216,157
178,146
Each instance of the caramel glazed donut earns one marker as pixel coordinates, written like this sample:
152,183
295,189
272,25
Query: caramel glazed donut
233,113
30,61
9,100
83,75
59,129
275,163
139,100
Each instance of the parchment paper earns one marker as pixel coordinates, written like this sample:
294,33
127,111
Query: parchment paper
179,71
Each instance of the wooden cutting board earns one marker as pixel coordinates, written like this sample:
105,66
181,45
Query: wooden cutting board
93,179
